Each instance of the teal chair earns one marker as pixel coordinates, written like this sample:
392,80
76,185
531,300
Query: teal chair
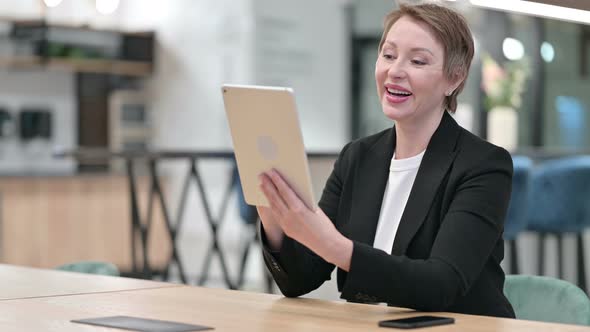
91,267
547,299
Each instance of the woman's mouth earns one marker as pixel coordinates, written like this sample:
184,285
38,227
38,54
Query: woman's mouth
398,93
396,96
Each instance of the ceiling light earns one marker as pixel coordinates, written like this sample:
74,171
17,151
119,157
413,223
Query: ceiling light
107,7
52,3
513,49
536,9
547,52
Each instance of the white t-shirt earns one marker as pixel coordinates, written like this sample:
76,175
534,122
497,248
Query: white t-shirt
402,173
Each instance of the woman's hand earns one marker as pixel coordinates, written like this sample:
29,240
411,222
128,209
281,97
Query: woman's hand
311,228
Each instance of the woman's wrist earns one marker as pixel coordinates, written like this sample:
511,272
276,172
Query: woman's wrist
339,251
274,237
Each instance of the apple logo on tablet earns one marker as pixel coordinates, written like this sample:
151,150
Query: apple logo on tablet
267,147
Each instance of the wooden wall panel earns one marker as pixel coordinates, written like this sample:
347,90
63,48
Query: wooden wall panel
49,221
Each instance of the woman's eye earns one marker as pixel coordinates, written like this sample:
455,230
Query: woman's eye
388,56
418,62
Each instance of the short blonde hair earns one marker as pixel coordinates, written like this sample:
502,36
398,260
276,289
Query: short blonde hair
451,30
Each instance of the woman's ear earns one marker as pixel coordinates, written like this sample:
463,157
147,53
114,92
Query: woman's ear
458,78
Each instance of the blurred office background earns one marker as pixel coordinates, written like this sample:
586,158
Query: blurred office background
89,87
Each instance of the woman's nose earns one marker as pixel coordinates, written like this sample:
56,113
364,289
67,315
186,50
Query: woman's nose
396,70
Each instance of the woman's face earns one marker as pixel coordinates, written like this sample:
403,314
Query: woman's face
409,72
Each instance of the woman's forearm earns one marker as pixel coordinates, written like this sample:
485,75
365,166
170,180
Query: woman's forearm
338,251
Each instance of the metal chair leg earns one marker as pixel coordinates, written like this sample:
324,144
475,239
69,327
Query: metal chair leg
581,262
513,256
560,256
541,248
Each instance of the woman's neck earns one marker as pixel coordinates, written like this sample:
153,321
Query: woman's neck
412,137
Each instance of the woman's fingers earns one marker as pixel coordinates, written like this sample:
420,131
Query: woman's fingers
285,204
286,192
276,202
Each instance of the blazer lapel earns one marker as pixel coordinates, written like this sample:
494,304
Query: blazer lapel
369,188
435,164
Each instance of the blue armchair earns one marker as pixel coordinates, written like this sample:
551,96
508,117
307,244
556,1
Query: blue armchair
559,203
516,217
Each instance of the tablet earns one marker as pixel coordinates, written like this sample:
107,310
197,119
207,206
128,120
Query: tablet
266,134
141,324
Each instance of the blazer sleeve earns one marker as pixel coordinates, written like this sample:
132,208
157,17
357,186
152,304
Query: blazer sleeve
468,233
296,269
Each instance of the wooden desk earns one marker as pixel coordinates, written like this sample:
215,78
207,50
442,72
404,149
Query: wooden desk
231,311
24,282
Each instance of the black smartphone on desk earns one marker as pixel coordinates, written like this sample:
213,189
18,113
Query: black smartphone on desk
416,322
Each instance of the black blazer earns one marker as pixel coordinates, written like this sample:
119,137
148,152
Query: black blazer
448,248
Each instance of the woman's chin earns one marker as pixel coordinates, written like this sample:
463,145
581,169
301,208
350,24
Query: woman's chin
395,113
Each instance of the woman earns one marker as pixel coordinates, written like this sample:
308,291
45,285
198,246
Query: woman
412,216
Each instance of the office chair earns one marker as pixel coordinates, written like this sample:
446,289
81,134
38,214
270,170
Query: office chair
547,299
516,216
91,267
558,204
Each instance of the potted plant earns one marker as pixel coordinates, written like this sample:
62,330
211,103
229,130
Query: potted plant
503,87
